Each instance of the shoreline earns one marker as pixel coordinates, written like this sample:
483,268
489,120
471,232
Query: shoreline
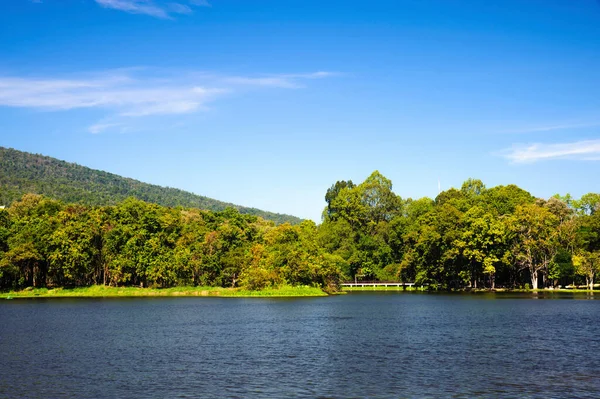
99,291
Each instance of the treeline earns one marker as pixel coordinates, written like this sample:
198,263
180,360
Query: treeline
472,237
46,243
24,173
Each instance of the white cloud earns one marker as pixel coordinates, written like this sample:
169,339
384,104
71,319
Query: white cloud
156,9
134,92
586,150
127,96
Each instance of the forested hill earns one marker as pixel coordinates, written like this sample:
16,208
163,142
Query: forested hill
22,172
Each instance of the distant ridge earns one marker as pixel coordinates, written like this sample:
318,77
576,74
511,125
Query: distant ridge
23,172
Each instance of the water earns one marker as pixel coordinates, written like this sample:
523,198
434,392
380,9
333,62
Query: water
386,345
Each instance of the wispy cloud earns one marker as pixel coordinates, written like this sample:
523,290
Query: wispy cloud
586,150
100,127
201,3
286,81
158,9
552,127
136,92
124,94
275,81
179,8
135,7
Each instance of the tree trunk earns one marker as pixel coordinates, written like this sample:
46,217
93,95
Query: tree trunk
544,280
591,283
534,279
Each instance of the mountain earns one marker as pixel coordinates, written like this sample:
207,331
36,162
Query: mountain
22,172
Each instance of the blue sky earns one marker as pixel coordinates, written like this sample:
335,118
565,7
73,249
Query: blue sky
267,103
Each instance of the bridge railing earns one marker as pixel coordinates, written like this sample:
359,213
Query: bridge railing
376,283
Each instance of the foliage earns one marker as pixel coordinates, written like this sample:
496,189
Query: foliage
45,243
472,238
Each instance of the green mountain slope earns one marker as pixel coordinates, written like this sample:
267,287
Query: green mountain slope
22,172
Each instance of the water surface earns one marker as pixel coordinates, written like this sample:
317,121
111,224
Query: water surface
378,345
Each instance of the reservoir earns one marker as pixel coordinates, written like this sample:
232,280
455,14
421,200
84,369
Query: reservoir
376,345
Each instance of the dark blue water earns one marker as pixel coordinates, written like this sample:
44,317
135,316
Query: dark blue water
401,345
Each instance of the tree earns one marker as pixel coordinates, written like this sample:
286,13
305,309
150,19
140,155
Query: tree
413,209
340,239
5,274
33,221
586,259
587,264
452,196
420,262
367,204
378,198
75,248
358,229
348,206
557,207
473,188
535,239
482,243
503,200
589,204
258,275
331,195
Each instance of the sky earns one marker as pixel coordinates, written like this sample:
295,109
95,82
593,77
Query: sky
267,103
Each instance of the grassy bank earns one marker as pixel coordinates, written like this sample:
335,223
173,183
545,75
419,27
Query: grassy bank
98,291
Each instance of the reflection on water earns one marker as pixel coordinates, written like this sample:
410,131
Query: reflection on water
386,345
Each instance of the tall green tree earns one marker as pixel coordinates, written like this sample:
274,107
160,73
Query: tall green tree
482,243
535,239
75,248
331,211
33,221
586,258
587,264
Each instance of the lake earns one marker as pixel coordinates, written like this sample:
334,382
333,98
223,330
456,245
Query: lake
377,345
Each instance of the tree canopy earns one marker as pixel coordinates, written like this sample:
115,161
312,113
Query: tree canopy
472,237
